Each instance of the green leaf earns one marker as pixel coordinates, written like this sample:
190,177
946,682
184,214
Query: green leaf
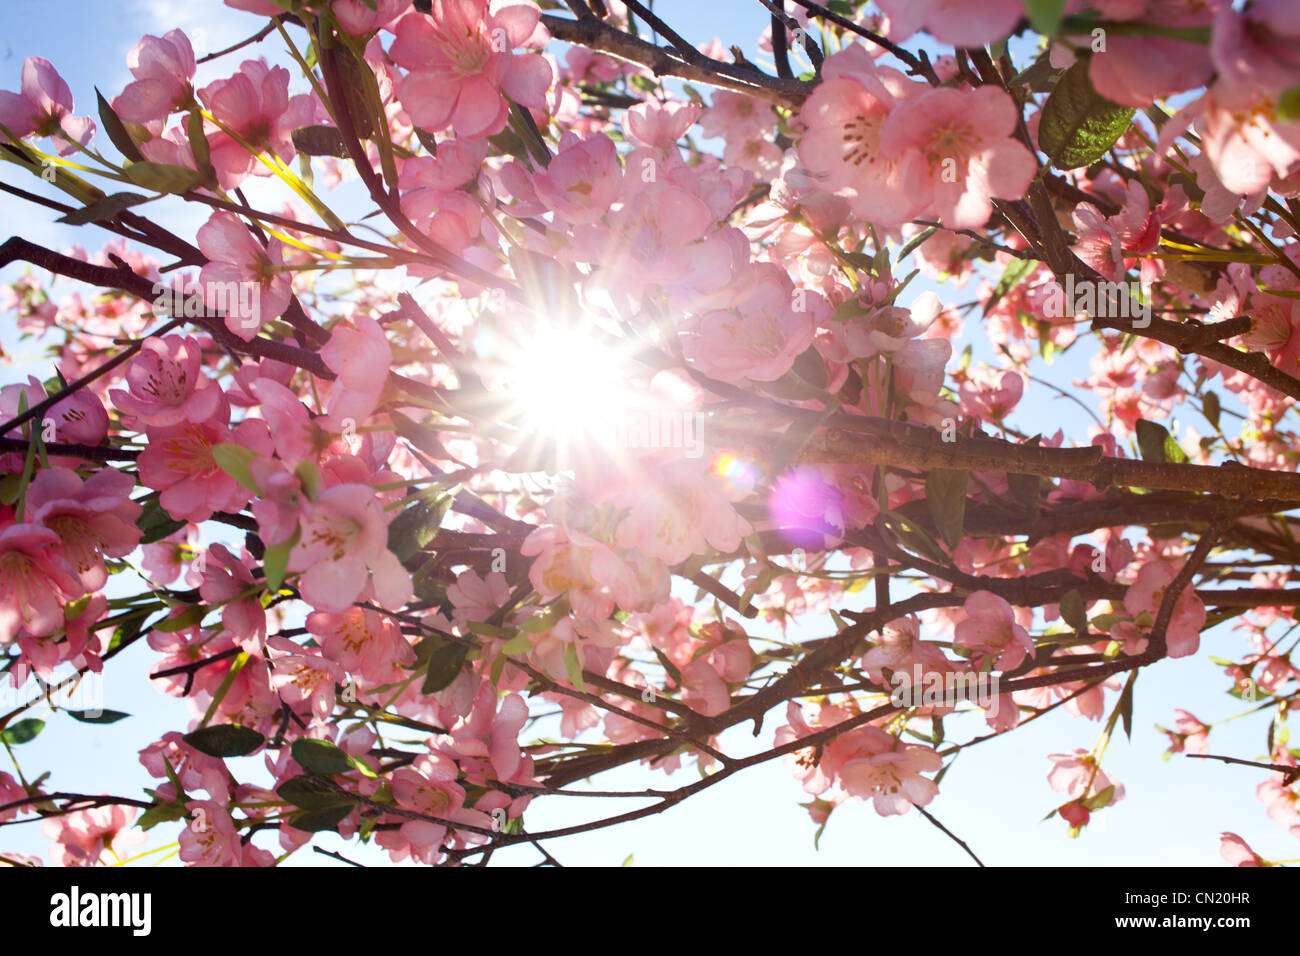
519,644
116,130
225,740
319,141
22,731
320,756
163,177
1044,15
162,813
1210,407
309,476
1156,444
445,664
1074,611
315,821
913,536
1078,124
234,460
573,667
1015,272
916,241
312,794
1151,440
187,618
155,523
945,493
1126,706
98,716
200,148
102,209
275,561
627,861
1288,104
1099,800
413,529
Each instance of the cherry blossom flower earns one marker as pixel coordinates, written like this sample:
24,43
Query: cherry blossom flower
1146,594
304,677
163,68
90,837
343,552
166,385
959,152
1236,852
36,581
242,280
879,767
956,22
94,520
44,108
990,629
255,106
462,66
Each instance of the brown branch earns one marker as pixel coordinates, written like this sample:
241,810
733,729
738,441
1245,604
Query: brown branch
663,61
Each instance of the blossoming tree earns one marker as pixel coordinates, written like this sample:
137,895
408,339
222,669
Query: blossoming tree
574,383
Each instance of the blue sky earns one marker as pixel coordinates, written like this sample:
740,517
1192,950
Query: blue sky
994,797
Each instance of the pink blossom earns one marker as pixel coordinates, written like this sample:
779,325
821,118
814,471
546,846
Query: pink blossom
166,384
478,598
1257,46
163,68
589,572
361,641
44,107
879,767
486,743
761,328
659,125
94,520
1236,852
686,512
1110,245
210,838
991,394
583,180
238,264
955,22
1078,776
462,66
1147,593
90,837
959,152
990,629
361,356
343,552
845,117
304,676
36,581
360,17
228,582
703,690
1136,70
178,461
1192,736
80,418
255,105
